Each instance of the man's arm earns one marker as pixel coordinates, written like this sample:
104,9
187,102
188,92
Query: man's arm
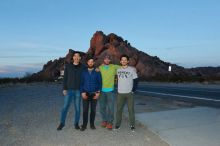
98,69
65,78
65,81
82,82
99,79
82,91
135,84
116,66
135,80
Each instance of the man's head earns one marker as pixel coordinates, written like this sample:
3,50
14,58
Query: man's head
76,57
124,60
90,62
107,60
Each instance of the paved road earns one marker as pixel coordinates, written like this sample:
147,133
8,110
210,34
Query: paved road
197,126
208,95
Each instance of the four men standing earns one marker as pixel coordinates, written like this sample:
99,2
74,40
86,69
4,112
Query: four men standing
90,82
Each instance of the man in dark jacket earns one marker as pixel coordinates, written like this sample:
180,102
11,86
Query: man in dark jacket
91,84
71,89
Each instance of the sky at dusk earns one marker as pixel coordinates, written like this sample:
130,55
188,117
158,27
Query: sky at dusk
32,32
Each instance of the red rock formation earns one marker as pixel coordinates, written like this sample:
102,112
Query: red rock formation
148,67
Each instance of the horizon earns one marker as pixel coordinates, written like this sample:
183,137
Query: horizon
185,33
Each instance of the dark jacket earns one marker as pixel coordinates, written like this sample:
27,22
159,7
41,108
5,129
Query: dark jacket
72,74
90,82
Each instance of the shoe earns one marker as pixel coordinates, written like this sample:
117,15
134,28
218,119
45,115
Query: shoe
104,124
60,127
77,127
132,128
83,128
117,127
92,127
109,126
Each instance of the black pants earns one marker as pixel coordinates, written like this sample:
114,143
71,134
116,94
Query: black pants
86,102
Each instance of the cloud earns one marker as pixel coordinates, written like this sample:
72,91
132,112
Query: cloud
28,56
185,47
30,46
24,52
19,70
21,67
33,64
180,47
3,71
40,46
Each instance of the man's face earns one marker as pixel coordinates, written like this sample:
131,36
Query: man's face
106,61
124,61
76,58
90,63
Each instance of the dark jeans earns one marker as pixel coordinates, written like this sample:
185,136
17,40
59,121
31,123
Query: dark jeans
86,102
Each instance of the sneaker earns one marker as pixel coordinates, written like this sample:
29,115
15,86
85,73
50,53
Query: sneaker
92,127
104,124
83,128
77,127
117,127
132,128
60,127
109,126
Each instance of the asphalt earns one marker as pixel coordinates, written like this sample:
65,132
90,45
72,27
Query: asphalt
202,94
197,126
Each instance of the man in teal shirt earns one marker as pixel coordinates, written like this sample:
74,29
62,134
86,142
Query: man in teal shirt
107,98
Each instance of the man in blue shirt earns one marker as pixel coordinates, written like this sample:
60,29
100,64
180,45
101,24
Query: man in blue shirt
91,84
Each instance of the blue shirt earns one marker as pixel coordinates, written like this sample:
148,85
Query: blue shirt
90,82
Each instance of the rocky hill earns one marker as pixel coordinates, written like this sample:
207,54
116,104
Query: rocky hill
148,67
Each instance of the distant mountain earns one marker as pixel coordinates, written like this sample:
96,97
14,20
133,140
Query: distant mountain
149,68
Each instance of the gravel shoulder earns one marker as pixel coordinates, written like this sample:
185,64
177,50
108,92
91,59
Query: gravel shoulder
29,115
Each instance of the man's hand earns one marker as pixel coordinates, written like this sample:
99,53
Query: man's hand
97,70
97,94
84,96
64,92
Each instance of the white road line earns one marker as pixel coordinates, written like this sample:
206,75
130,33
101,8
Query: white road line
176,95
176,88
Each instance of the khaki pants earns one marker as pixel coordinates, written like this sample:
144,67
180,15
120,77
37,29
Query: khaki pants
121,100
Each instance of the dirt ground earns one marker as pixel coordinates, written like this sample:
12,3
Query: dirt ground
29,115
